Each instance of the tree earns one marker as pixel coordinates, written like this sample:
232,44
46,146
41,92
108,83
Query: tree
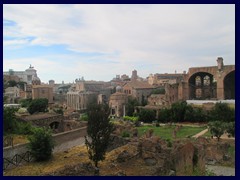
158,91
146,115
99,129
41,144
38,105
11,83
164,115
178,111
217,128
230,128
9,119
25,102
132,103
21,84
222,112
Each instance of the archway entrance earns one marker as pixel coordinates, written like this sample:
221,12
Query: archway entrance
202,85
229,86
54,125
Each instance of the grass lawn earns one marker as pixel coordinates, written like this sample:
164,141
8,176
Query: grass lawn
165,132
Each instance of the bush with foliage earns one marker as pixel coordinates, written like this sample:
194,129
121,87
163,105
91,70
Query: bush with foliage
132,103
9,119
230,128
41,144
84,117
222,112
164,115
146,115
38,105
25,102
217,128
24,128
158,91
178,110
130,118
125,134
58,110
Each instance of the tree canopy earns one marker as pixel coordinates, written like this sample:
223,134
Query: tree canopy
99,129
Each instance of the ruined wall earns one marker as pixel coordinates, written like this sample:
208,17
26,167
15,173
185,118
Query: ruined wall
9,152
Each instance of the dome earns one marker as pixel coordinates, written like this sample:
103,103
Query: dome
118,89
36,80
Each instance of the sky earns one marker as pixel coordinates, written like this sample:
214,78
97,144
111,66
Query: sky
98,42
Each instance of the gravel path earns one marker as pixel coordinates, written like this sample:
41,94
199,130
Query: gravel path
67,145
221,170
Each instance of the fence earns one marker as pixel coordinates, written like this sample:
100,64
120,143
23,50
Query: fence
17,159
14,155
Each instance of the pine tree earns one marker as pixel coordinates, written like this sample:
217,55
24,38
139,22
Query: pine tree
99,130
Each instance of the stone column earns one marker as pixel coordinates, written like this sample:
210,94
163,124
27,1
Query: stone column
220,89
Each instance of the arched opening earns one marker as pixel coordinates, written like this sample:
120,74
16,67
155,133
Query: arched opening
229,85
54,125
202,85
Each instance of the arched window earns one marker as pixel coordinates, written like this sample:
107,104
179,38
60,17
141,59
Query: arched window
198,81
206,81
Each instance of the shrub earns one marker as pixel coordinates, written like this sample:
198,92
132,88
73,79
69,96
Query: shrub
230,128
146,115
169,143
178,111
129,118
164,115
41,144
38,105
24,128
217,128
84,117
125,134
9,119
222,112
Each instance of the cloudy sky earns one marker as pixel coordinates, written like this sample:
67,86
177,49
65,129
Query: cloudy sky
65,42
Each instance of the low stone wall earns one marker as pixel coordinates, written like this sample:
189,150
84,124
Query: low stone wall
60,138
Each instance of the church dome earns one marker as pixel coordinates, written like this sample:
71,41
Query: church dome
36,80
118,89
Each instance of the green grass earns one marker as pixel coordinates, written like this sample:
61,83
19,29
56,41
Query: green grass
207,134
231,151
165,132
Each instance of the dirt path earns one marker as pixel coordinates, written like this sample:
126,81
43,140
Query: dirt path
201,133
67,145
221,170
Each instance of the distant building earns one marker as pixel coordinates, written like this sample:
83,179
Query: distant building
162,79
42,91
25,76
13,93
79,100
117,103
139,90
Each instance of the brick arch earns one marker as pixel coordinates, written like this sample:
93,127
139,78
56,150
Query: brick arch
229,85
205,88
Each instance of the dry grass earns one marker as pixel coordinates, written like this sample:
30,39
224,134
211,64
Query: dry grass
78,155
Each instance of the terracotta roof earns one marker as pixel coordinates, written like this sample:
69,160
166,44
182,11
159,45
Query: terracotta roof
139,85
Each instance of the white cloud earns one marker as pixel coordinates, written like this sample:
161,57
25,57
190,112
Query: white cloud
162,35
